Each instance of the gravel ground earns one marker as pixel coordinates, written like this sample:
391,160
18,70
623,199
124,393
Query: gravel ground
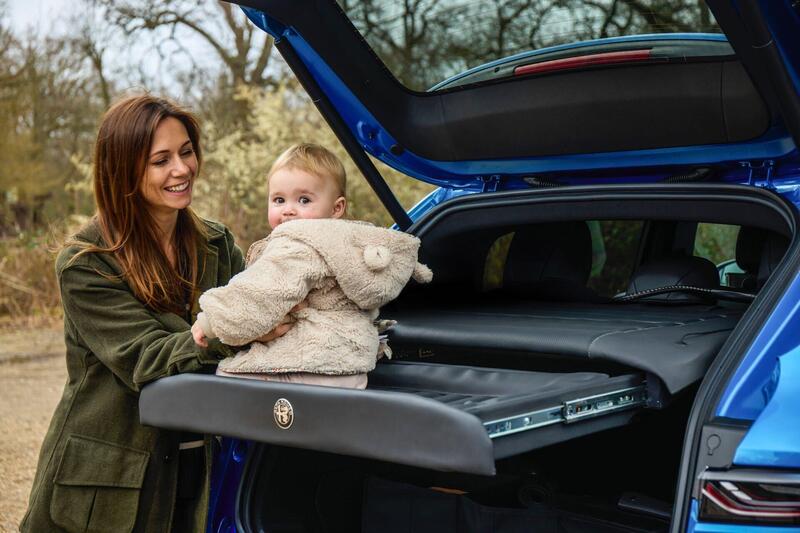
32,377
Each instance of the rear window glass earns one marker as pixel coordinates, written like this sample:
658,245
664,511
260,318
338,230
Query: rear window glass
615,252
615,247
717,243
427,41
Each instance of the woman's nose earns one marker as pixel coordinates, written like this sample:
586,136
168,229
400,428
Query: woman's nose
180,168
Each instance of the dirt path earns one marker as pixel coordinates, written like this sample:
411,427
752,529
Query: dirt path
32,376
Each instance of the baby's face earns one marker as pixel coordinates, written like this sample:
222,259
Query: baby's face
294,193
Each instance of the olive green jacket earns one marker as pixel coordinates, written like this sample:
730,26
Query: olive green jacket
99,469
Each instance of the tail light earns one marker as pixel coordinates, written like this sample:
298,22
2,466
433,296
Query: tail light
750,497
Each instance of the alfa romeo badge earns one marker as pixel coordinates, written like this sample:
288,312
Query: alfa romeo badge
283,413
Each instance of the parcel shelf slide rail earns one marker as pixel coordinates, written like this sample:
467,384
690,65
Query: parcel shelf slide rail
570,411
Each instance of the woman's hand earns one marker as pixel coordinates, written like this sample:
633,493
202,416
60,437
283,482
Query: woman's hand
286,324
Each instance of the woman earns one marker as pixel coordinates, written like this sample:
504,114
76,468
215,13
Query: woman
129,286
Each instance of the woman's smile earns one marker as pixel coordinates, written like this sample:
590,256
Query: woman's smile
179,188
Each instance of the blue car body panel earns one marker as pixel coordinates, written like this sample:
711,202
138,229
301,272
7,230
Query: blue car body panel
225,478
763,445
764,389
754,382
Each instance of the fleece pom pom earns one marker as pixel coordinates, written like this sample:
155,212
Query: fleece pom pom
377,257
422,273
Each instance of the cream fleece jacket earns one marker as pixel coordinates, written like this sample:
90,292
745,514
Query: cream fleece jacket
345,269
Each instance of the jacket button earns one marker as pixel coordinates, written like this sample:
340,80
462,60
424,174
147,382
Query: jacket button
167,458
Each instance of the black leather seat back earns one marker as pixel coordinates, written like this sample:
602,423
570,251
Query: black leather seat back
676,270
552,261
758,252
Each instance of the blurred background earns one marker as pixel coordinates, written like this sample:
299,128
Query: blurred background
63,62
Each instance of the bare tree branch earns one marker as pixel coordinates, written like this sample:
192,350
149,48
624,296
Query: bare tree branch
662,18
216,23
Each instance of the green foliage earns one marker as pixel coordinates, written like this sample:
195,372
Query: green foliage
48,112
716,242
495,264
233,188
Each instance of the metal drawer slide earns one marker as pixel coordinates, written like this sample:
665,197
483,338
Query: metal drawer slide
570,411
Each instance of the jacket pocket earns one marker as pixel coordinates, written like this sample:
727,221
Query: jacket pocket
97,486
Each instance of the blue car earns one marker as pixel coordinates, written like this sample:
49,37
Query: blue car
610,342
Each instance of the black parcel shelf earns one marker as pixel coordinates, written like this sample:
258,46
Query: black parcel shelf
437,416
675,343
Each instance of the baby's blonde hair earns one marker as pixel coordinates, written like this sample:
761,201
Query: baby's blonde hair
314,159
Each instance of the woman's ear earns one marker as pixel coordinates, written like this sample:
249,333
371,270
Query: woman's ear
340,207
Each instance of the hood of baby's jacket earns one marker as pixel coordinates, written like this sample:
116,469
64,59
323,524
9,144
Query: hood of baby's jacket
371,264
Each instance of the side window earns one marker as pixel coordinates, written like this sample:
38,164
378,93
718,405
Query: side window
615,245
496,262
717,243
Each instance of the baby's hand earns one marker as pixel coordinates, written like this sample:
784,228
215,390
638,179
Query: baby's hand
199,336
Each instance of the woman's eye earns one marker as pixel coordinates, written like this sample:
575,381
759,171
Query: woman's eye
187,153
160,162
305,200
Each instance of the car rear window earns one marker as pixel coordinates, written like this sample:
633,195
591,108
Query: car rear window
615,252
615,248
717,243
427,41
615,245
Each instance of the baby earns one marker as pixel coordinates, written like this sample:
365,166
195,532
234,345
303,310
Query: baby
345,270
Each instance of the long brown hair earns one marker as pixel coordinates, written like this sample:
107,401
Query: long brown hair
129,231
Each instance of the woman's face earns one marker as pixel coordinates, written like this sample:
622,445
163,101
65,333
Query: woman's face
170,170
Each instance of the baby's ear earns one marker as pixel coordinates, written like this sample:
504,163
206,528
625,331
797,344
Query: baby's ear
340,207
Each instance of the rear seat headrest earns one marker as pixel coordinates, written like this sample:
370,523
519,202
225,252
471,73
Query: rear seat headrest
555,251
676,270
749,243
758,252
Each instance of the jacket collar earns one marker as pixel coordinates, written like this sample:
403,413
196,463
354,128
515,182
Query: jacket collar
214,233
